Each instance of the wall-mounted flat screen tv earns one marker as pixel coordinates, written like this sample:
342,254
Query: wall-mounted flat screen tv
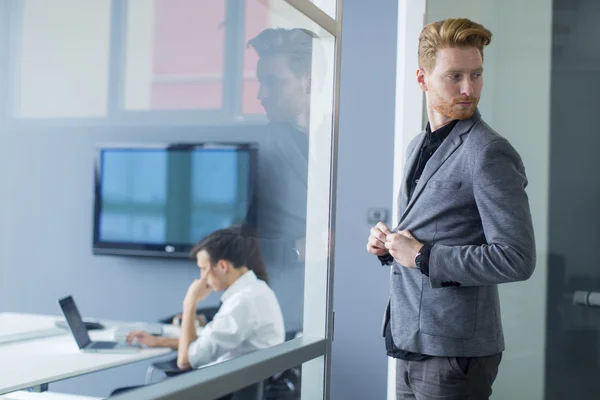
160,200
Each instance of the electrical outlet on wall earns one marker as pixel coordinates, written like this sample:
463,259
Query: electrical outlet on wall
377,214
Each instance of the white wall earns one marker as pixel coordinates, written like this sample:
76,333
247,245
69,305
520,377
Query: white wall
516,103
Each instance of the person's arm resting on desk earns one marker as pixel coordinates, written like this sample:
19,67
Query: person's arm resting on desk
144,338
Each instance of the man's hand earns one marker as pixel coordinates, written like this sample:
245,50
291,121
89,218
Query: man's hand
403,247
198,290
377,239
142,337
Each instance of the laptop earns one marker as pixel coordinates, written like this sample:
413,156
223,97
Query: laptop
80,332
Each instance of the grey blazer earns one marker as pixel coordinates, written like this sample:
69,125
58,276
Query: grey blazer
471,205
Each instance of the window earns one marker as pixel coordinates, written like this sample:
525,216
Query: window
328,6
141,59
141,55
174,54
294,178
62,72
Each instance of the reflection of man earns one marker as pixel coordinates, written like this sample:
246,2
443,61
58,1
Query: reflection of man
465,227
249,318
284,72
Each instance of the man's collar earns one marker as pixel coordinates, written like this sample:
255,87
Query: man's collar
240,284
443,131
476,116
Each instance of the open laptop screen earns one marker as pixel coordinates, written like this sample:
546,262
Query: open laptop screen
75,321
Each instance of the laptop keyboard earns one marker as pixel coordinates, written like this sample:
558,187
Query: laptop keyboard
103,345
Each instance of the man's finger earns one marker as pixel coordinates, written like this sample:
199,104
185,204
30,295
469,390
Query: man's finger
376,250
376,242
406,234
383,228
378,234
392,237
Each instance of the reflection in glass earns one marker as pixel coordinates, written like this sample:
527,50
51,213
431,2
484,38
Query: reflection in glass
292,60
174,58
290,76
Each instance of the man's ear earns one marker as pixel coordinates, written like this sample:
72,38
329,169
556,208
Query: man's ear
222,266
421,79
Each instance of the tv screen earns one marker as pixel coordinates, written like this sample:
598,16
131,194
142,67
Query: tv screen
160,200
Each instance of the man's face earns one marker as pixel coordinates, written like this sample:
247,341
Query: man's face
215,274
454,85
282,94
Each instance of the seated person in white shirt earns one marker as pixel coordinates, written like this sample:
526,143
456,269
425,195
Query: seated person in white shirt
249,318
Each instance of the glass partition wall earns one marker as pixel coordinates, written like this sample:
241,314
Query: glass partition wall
77,77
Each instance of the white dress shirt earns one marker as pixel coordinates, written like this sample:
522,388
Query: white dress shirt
249,319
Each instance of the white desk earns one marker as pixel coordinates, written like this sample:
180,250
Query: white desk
22,395
35,362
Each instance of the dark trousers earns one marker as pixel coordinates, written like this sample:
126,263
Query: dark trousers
447,378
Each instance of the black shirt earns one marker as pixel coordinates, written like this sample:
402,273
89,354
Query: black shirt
432,142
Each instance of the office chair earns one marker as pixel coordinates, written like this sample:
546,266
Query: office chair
168,368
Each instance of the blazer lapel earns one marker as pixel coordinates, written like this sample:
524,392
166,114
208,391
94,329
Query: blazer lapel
410,162
452,142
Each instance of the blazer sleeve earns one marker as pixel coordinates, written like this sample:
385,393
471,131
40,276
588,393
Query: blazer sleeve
499,183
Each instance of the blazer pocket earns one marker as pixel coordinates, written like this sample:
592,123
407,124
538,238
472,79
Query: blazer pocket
448,185
449,311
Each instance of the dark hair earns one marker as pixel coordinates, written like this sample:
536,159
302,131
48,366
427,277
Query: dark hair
236,244
295,44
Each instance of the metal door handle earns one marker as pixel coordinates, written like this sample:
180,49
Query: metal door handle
588,299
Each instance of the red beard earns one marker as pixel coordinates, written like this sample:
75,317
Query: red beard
453,110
